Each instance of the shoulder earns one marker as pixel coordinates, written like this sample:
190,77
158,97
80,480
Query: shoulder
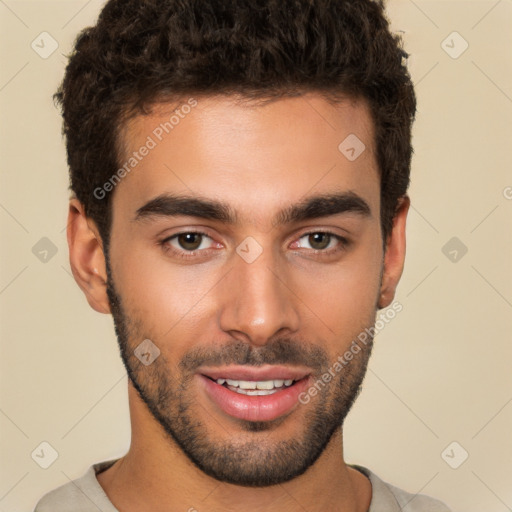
390,498
81,495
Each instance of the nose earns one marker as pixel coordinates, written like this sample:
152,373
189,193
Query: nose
258,301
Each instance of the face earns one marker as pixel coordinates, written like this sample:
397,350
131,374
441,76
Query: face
247,248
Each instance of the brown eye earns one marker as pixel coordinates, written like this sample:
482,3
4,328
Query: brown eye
189,241
319,241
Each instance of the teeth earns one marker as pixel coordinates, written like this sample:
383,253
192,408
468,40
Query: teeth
264,384
250,385
246,384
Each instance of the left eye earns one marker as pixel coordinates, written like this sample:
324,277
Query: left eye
320,241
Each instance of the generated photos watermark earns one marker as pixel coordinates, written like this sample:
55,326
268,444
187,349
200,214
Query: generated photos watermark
152,141
363,338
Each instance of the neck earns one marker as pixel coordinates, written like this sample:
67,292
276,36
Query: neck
156,475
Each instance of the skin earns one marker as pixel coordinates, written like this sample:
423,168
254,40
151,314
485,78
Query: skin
258,159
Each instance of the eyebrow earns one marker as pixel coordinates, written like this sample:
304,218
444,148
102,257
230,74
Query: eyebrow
324,205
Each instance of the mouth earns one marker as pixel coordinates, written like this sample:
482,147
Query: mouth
254,394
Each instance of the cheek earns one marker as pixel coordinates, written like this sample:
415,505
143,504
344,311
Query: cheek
344,295
165,296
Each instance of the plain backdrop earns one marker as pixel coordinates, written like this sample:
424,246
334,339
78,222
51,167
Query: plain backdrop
439,387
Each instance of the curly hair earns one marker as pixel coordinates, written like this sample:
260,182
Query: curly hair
144,52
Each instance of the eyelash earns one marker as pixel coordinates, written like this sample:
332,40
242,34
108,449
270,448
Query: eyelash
343,244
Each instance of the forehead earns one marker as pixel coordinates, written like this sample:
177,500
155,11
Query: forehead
254,156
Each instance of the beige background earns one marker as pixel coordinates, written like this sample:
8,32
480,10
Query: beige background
441,368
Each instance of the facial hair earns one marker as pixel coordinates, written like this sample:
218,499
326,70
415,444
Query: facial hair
254,459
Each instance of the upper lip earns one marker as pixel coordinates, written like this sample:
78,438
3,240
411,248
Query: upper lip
255,373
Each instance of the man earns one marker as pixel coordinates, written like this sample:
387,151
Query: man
239,174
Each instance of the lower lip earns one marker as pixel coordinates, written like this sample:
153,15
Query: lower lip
254,408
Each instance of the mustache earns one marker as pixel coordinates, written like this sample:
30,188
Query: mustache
280,351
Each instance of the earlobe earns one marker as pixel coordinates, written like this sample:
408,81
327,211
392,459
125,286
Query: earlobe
394,256
86,257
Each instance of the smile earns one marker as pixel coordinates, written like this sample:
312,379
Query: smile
253,393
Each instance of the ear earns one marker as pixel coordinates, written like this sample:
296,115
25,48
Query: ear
86,257
395,254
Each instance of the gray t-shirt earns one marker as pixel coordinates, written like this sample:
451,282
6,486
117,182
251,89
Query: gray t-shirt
85,494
